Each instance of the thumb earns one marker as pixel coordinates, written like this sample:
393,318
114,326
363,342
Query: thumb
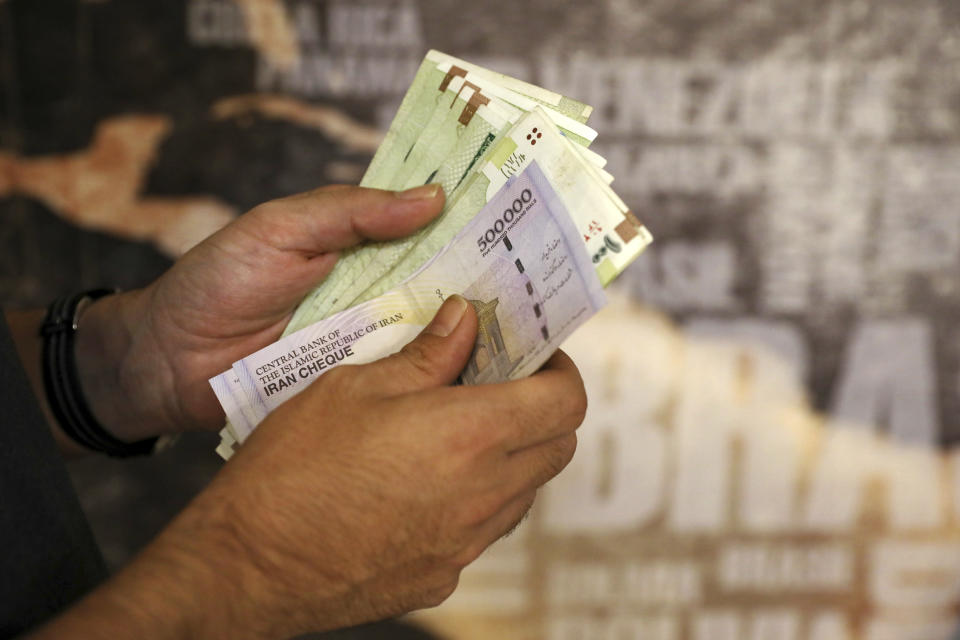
435,358
334,218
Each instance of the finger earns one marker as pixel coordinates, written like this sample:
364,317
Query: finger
534,466
500,524
556,402
522,413
334,218
434,358
559,361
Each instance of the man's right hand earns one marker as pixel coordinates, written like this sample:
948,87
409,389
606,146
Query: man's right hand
361,498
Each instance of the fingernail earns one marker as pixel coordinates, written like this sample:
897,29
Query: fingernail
426,192
448,317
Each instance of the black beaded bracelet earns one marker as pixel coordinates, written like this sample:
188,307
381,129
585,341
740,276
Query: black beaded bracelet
62,382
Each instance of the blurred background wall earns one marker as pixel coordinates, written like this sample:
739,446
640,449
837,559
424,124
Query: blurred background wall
775,388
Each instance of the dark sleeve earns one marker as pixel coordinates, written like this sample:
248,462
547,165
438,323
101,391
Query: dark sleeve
48,557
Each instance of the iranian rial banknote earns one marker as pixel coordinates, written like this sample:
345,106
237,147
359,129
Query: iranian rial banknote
448,121
520,262
612,236
450,150
453,120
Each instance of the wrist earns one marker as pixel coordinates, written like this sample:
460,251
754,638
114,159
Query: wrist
190,582
235,590
120,372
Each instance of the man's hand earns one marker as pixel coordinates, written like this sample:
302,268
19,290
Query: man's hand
362,497
145,356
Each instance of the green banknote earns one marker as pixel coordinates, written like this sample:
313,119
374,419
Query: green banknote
367,263
455,143
433,112
418,103
446,127
451,143
612,235
468,155
572,128
575,109
471,145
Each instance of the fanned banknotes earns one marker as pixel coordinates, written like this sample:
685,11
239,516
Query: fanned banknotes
530,234
443,86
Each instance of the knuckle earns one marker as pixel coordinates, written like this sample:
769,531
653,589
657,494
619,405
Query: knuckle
264,210
469,441
567,447
577,403
561,453
529,498
346,383
268,213
523,513
420,358
332,384
479,510
468,554
340,379
439,594
268,222
571,408
566,398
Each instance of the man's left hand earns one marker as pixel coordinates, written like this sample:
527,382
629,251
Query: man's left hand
145,356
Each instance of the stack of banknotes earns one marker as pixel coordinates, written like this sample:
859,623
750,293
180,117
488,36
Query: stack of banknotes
530,235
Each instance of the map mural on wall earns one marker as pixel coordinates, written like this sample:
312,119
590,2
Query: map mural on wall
775,388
